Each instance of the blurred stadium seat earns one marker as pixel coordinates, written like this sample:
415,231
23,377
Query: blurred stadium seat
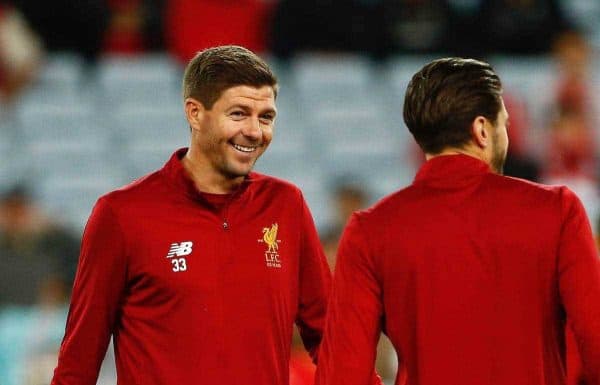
84,134
133,80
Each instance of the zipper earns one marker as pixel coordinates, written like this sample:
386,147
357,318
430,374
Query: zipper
225,209
225,213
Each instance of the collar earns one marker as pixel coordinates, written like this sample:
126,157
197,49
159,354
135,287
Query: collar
451,170
180,179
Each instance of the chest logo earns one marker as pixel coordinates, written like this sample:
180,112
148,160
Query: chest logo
272,257
179,250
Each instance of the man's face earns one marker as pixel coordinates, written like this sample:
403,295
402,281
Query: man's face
500,141
236,131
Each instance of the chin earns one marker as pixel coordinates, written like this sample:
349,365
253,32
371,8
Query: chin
238,172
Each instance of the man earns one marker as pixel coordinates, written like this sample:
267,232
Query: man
471,274
200,269
38,254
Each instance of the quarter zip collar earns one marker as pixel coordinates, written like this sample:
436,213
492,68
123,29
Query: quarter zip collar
180,180
447,171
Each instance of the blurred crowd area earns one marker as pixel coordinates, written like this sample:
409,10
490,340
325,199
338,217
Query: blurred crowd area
90,99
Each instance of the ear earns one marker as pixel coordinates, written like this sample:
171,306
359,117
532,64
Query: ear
480,132
194,112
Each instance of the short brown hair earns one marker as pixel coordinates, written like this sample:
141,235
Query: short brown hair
444,98
216,69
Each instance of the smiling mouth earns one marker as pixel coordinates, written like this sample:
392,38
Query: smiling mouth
244,149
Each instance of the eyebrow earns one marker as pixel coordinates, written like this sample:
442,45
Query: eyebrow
248,108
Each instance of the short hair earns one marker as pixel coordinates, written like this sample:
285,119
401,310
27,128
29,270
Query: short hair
217,69
444,98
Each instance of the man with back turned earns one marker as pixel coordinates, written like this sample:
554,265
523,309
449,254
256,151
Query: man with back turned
470,273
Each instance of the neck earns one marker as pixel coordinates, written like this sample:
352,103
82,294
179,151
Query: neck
459,151
205,178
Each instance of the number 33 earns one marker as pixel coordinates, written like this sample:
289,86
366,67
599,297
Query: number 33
179,264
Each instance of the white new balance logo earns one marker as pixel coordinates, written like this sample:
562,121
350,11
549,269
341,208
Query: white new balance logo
180,249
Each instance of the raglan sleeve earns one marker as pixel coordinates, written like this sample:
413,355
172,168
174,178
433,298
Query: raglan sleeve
353,325
97,290
579,282
314,285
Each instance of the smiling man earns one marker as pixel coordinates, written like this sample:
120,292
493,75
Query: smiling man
200,269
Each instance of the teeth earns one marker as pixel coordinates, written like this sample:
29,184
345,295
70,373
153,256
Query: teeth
244,148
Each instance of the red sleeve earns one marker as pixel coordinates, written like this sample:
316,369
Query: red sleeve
315,281
97,290
353,325
579,283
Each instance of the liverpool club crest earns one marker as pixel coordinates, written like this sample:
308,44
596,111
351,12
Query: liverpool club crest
272,257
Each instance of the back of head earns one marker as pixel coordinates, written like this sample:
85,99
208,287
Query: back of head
214,70
444,98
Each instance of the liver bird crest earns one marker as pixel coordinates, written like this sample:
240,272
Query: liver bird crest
270,237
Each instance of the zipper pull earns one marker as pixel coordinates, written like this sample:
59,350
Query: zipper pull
225,225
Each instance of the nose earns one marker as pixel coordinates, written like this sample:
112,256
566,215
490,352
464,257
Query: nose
253,130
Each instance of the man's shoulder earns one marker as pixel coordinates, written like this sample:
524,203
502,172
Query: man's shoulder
524,188
134,191
387,205
514,189
533,195
273,185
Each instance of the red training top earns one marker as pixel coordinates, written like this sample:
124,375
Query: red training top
471,275
193,294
